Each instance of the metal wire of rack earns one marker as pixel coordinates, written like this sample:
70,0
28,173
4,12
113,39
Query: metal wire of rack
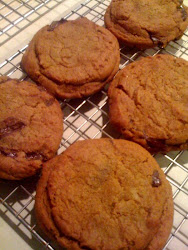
15,16
88,118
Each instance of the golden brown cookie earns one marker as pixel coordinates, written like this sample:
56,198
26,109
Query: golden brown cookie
148,103
72,59
146,23
105,194
31,128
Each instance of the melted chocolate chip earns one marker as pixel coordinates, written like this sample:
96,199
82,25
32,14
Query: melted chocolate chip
11,124
157,41
11,154
156,145
156,182
54,24
49,102
34,156
183,12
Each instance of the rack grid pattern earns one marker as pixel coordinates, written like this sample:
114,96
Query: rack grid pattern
16,15
88,118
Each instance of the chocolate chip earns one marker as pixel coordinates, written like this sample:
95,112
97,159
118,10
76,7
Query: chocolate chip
183,12
180,2
54,24
28,156
49,102
62,20
155,145
34,156
156,182
157,41
11,124
11,154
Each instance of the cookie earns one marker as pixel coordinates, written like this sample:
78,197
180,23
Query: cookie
31,128
72,59
146,23
105,194
148,103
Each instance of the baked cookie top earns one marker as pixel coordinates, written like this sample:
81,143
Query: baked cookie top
146,23
31,128
148,102
72,59
105,194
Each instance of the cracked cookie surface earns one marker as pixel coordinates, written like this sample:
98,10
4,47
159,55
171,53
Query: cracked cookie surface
148,103
72,59
146,23
105,194
31,128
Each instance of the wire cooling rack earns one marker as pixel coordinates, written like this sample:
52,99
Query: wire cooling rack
16,15
88,118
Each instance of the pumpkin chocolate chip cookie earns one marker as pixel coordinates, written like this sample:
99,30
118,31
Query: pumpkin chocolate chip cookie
148,103
146,23
31,128
105,194
72,59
